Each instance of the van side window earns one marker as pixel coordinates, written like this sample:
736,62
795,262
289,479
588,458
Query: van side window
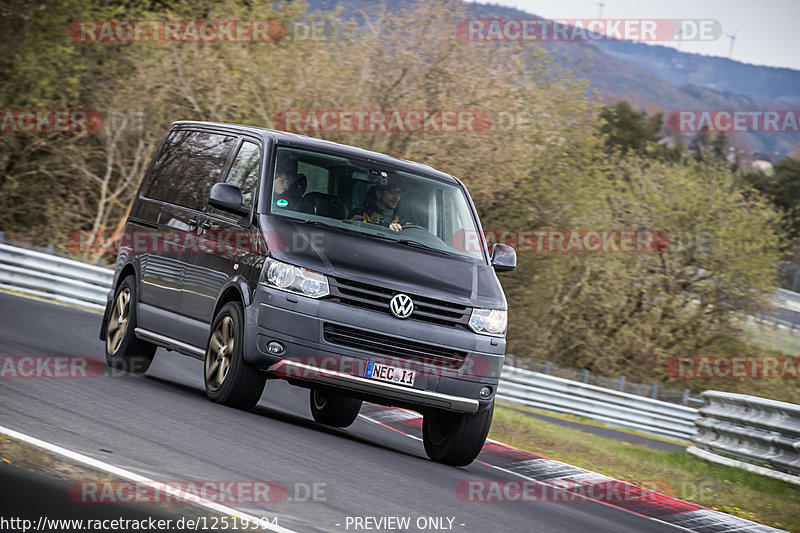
188,167
244,171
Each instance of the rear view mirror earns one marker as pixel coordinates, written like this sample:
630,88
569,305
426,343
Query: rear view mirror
504,258
228,197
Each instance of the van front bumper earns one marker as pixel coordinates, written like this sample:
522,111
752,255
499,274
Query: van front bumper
332,378
309,358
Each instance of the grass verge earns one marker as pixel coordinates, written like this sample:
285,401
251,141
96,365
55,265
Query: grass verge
21,292
737,492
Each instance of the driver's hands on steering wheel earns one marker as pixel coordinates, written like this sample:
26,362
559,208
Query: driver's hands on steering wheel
394,226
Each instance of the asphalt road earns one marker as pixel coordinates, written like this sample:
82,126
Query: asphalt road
789,315
162,426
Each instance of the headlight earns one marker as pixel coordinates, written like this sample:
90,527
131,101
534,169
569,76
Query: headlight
488,321
294,279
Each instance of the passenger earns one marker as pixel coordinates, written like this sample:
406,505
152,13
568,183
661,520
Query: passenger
380,206
288,186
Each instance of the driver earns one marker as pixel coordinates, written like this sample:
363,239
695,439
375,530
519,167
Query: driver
381,207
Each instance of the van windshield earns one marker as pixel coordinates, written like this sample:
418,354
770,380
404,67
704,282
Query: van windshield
376,200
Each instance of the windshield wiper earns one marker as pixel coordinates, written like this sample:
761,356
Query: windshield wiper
417,244
322,224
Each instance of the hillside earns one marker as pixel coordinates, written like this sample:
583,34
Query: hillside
651,76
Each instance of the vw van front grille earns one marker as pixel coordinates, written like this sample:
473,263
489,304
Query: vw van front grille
375,298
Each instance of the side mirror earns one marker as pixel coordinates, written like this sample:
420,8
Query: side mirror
228,197
504,258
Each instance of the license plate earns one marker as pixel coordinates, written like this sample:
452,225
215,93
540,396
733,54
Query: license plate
392,374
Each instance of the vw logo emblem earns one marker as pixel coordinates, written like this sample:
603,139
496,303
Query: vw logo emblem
401,306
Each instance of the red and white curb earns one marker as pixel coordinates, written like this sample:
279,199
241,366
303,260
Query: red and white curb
565,477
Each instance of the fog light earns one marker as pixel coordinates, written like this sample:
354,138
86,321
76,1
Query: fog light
486,392
275,347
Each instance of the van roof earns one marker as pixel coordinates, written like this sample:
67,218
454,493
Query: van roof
312,143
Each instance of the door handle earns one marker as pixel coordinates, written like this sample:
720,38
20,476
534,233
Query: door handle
206,224
192,222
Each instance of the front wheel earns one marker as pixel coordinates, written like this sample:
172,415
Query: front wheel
455,438
123,350
333,409
229,379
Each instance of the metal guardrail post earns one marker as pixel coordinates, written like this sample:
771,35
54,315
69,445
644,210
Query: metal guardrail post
654,391
585,376
547,367
756,430
621,386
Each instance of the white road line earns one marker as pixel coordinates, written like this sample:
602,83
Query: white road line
126,474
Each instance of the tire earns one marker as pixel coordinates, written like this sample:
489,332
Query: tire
228,378
123,350
333,409
455,438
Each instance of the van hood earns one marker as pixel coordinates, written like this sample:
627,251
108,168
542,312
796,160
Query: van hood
358,257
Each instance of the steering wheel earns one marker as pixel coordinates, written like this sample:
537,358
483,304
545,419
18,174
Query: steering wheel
414,226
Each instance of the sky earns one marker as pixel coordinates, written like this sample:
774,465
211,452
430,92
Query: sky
766,31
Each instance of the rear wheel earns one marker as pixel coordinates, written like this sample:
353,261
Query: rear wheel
455,438
123,350
229,379
333,409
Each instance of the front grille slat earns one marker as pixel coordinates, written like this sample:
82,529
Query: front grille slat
394,346
425,310
360,297
374,298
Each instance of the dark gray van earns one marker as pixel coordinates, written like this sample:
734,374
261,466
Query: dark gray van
351,273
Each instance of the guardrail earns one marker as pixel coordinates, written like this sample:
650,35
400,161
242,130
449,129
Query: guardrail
790,297
756,430
540,391
54,277
653,390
